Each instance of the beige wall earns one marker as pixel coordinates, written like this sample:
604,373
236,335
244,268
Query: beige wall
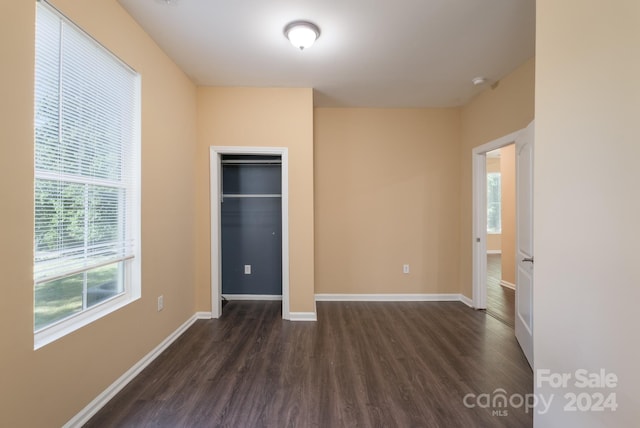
269,117
493,164
49,386
494,240
587,204
490,115
386,194
508,205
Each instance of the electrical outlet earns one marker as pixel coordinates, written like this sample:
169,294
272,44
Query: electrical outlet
247,269
160,303
405,268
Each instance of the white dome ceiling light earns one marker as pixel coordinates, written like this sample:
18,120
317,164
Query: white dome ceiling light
302,34
477,81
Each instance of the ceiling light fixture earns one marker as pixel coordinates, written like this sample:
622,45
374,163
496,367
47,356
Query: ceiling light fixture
302,34
479,80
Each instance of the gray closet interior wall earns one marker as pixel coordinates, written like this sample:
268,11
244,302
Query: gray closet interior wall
251,224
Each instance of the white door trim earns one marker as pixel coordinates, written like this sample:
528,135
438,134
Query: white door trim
215,170
479,212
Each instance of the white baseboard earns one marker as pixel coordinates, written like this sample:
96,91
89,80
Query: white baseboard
507,284
303,316
388,297
101,400
494,251
252,296
203,315
467,301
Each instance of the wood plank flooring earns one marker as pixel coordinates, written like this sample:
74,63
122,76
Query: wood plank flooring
363,364
500,300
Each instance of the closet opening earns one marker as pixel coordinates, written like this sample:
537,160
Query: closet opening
249,225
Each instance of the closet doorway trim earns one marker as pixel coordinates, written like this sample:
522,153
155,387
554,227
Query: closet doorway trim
215,168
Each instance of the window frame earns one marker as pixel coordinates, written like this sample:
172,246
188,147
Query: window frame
131,266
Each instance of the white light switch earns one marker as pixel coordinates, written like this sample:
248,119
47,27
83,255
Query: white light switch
405,268
247,269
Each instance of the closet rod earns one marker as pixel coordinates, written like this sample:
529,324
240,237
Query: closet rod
250,161
251,195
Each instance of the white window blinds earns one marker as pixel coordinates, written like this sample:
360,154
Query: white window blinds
86,152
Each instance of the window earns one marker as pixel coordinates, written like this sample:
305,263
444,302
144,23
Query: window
494,220
87,209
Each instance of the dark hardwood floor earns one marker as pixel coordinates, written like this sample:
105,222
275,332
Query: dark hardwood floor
363,364
500,300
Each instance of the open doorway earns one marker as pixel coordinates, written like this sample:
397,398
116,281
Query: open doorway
523,254
500,238
480,218
260,155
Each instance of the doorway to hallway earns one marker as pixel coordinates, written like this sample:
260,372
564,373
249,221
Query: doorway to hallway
524,283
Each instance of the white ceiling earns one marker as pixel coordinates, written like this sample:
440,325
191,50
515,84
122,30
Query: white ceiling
371,53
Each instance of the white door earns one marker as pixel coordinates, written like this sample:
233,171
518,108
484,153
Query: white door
524,241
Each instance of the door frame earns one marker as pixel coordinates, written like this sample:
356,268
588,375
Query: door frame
479,210
215,174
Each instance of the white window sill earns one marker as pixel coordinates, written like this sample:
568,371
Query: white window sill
56,331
